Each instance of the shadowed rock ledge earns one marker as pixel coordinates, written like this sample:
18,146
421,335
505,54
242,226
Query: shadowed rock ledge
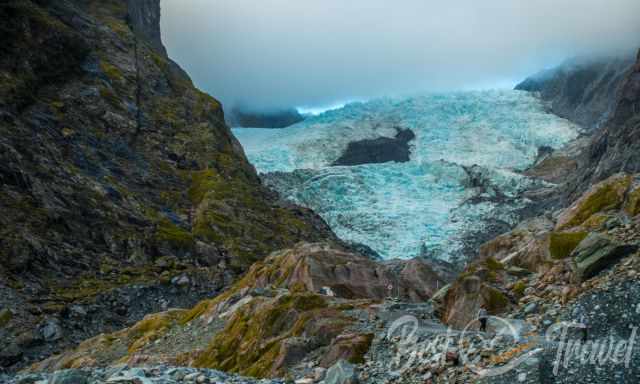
380,150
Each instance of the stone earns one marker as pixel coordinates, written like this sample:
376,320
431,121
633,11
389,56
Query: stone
181,281
531,308
518,272
351,347
606,195
51,330
341,373
70,376
596,253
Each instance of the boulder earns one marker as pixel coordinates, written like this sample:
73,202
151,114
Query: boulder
351,347
341,373
606,195
596,253
632,203
561,244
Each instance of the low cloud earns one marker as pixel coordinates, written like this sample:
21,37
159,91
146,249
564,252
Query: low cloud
281,53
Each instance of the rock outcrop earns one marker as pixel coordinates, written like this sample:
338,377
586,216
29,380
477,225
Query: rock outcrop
266,119
581,90
300,306
596,253
380,150
617,147
564,250
122,190
603,96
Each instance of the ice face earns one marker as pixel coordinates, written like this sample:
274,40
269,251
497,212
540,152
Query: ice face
399,209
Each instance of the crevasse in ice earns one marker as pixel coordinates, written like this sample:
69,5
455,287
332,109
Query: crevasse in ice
401,209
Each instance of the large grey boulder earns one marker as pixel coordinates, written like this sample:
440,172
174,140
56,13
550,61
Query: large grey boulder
597,252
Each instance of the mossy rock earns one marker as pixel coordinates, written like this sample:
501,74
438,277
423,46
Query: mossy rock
494,300
561,244
151,328
5,316
519,288
175,236
253,338
596,221
111,71
605,196
360,349
632,204
493,265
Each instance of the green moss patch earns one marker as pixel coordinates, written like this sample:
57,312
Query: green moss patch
495,301
493,265
111,71
561,244
519,288
5,317
608,196
254,337
177,237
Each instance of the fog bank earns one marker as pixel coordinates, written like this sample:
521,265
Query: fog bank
281,53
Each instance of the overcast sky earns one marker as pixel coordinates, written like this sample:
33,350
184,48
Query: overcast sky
315,53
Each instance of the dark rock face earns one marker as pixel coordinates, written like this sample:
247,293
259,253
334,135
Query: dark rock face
596,253
604,97
117,176
583,91
380,150
270,119
144,19
617,147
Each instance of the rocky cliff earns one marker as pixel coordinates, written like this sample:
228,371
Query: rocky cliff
601,95
617,147
122,190
581,90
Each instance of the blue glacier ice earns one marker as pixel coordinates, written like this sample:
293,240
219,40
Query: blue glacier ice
402,209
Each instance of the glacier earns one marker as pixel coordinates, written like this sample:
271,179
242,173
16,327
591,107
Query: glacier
424,206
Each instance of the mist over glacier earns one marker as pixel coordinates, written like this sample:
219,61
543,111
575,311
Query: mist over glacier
403,210
285,53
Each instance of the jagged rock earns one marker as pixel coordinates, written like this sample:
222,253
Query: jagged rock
596,253
380,150
582,90
348,275
341,373
606,195
616,147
